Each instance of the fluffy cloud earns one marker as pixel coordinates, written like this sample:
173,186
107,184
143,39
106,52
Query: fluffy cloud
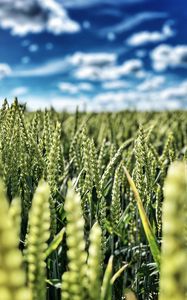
110,97
115,84
111,72
78,60
158,99
115,101
145,37
34,16
69,88
92,66
86,66
131,66
59,103
85,86
19,91
76,88
93,59
178,92
167,97
5,70
165,56
151,83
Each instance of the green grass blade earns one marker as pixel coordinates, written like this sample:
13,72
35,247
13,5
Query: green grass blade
55,242
118,273
145,222
106,289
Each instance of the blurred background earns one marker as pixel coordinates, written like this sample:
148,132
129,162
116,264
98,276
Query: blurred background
95,54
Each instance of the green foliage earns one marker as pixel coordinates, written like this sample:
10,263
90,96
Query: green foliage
38,235
115,208
12,275
146,223
173,284
15,214
81,239
74,280
94,263
106,289
83,278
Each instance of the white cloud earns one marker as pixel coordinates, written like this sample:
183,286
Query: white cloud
69,88
166,98
75,88
19,91
151,83
51,67
130,23
155,98
175,92
110,97
68,104
5,70
113,72
85,86
91,73
165,56
157,105
130,66
84,66
115,101
145,37
34,16
117,84
75,61
93,59
59,103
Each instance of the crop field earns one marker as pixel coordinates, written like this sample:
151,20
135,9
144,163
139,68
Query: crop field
92,206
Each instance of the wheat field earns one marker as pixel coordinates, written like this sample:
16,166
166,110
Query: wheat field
92,205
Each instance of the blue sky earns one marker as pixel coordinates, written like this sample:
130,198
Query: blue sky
97,54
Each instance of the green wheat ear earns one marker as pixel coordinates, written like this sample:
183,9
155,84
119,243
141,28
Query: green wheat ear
74,281
115,209
12,276
15,214
38,235
94,263
173,281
